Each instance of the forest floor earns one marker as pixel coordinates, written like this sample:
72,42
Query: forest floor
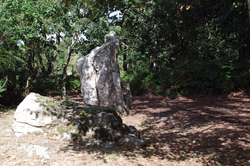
193,130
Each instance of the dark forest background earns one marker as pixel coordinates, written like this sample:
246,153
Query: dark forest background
171,48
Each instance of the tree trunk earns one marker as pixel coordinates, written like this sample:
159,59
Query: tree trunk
41,62
55,53
248,1
30,69
125,68
151,65
39,50
242,48
65,65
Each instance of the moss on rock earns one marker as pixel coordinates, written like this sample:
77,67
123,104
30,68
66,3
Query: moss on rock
71,121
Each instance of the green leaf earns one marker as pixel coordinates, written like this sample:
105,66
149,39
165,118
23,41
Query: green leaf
88,2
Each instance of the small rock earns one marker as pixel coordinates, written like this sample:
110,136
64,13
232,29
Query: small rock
108,145
93,142
134,131
131,141
67,137
90,133
165,118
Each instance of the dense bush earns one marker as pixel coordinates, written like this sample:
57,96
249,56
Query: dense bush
213,77
45,84
166,47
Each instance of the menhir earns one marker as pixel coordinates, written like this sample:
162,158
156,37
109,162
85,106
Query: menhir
100,76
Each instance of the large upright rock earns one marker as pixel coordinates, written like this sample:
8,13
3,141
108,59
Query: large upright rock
100,76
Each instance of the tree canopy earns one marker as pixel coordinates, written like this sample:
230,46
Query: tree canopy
167,47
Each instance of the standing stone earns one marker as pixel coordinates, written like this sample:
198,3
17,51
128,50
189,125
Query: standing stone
100,76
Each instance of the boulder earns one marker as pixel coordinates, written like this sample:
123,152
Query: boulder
66,120
100,76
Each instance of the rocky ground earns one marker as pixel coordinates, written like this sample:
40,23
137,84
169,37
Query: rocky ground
193,130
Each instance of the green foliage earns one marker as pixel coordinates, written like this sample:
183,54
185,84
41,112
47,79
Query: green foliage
166,47
34,41
214,76
199,49
45,84
134,78
73,83
2,86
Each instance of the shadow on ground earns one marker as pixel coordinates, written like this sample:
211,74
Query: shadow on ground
214,130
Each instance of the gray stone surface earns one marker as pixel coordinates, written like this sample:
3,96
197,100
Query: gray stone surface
130,140
165,118
100,76
109,145
28,116
68,121
93,142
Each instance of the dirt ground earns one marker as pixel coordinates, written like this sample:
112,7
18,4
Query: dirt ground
193,130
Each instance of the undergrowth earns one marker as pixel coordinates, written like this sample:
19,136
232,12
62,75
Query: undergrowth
53,84
203,77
